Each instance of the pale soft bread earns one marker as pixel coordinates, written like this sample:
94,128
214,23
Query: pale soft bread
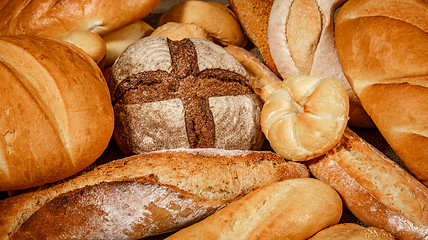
178,31
352,231
305,117
291,209
118,40
57,116
301,39
264,81
254,18
142,195
219,21
383,48
60,19
89,42
375,189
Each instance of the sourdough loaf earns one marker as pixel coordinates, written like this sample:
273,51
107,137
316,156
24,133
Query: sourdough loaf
374,188
56,114
382,46
142,195
190,93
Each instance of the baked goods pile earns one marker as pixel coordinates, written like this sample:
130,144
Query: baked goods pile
219,120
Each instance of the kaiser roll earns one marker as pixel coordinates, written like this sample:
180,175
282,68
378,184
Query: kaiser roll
56,115
383,49
190,93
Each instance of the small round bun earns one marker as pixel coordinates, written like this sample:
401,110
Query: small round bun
178,31
305,117
218,20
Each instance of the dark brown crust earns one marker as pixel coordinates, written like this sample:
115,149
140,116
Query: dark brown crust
187,83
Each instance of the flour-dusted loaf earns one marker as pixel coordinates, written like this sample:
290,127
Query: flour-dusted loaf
301,41
382,46
190,93
352,231
292,209
56,114
78,22
142,195
378,191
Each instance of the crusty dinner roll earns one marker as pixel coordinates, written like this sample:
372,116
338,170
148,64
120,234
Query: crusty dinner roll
57,116
178,31
253,15
219,21
301,40
143,195
383,48
60,18
291,209
352,231
183,94
374,188
118,40
263,80
305,117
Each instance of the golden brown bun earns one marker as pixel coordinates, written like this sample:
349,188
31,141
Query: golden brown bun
89,42
57,116
383,49
352,231
254,18
305,117
142,195
263,80
219,21
177,31
59,19
118,40
374,188
301,40
291,209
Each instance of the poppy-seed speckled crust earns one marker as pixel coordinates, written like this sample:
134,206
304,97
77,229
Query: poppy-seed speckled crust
183,94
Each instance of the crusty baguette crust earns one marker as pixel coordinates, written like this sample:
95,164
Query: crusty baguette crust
374,188
382,46
176,188
291,209
352,231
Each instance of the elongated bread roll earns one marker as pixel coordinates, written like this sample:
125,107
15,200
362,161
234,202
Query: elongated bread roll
374,188
301,41
291,209
142,195
383,48
352,231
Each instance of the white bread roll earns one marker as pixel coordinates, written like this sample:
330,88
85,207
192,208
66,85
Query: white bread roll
374,188
305,117
291,209
219,21
60,19
57,116
118,40
142,195
301,41
383,48
178,31
352,231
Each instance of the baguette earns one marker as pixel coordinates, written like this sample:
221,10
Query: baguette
142,195
352,231
292,209
374,188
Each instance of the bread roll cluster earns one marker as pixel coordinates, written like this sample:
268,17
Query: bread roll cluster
213,119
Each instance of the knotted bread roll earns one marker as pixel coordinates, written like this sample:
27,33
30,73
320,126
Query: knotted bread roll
305,117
